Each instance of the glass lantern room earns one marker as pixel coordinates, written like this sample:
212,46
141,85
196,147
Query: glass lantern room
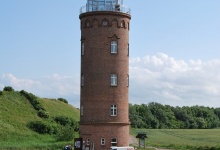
105,5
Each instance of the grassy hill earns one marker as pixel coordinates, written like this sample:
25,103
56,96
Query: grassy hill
16,112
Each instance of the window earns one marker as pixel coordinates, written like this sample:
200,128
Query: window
114,142
113,110
82,48
123,24
87,23
114,47
128,49
114,80
128,26
82,80
128,81
102,141
81,110
105,23
87,141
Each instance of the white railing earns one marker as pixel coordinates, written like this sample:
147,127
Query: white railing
119,8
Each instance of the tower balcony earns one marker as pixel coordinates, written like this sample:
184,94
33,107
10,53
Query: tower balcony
100,7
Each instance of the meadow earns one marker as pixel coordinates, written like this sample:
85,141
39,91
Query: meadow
16,112
181,139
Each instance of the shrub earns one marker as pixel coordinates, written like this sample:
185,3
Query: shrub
43,114
8,88
63,100
65,121
65,134
42,127
33,100
1,93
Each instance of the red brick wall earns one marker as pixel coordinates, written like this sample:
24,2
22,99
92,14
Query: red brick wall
96,132
97,64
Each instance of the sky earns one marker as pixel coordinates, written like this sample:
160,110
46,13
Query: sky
174,50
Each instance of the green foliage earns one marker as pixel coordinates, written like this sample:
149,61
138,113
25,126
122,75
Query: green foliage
65,133
66,121
63,100
43,114
42,127
33,100
158,116
8,88
1,93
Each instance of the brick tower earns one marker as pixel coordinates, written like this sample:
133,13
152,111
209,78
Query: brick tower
104,118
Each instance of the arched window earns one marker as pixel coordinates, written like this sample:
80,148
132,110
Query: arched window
95,23
123,24
105,23
87,23
114,23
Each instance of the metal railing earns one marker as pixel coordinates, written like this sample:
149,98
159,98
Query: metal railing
116,8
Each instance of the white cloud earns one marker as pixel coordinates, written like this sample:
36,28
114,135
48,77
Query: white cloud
53,86
157,78
160,78
17,83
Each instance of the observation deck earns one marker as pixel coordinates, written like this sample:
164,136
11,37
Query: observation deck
105,5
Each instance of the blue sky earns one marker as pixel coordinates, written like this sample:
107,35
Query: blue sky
174,50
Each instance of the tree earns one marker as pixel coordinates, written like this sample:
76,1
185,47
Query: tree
63,100
65,133
8,88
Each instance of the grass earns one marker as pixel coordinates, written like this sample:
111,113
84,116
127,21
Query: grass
16,112
181,138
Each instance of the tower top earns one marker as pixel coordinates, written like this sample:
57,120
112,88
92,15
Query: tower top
105,5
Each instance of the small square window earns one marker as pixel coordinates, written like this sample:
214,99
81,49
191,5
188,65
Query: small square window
114,80
102,141
114,142
87,141
114,47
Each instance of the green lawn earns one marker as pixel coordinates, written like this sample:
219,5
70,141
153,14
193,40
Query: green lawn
181,138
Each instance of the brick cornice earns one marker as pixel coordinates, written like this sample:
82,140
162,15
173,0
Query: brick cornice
105,123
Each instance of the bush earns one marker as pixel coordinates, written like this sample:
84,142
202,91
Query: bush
43,114
63,100
42,127
65,121
1,93
33,100
65,134
8,88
